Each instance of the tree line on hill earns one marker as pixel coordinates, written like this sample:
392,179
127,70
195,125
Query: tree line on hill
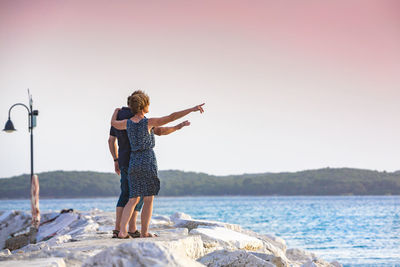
328,181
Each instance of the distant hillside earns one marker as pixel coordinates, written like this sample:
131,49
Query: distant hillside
343,181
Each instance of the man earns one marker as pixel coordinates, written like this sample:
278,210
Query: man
121,165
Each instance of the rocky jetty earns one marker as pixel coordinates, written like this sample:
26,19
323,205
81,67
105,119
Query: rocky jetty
84,239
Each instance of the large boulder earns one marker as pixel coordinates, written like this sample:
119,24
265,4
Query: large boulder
59,225
184,220
42,262
157,221
305,258
271,244
237,258
141,254
223,237
179,216
277,261
10,223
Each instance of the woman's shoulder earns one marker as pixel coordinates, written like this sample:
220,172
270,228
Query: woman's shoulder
139,122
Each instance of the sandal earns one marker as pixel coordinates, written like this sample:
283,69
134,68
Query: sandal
125,237
115,233
149,235
135,234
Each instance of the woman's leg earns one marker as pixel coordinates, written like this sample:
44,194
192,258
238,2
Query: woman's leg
146,215
132,223
126,215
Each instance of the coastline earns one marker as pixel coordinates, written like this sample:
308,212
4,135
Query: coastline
84,239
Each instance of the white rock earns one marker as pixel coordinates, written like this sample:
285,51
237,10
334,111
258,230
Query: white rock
277,261
82,227
140,254
42,262
336,264
12,222
179,216
162,218
305,258
5,252
317,263
309,264
192,224
276,241
159,221
190,246
269,248
105,229
92,243
4,215
54,227
271,244
221,236
238,258
58,240
32,247
300,255
180,231
95,211
183,220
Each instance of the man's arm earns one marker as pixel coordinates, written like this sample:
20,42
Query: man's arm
112,145
169,130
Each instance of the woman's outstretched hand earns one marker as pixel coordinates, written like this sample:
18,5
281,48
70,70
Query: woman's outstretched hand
182,124
198,108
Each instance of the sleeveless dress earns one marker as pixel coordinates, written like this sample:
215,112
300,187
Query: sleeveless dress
142,173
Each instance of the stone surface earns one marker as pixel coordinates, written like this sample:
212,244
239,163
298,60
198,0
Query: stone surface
60,224
336,264
184,220
305,258
141,254
271,244
180,231
238,258
46,262
220,236
11,222
85,238
277,261
5,252
300,255
177,216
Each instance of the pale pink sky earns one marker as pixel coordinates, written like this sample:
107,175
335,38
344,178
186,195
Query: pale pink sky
289,85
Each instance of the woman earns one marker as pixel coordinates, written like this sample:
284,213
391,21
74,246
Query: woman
142,172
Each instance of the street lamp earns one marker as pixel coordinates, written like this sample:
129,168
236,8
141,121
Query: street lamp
9,128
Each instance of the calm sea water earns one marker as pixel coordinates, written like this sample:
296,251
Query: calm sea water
356,231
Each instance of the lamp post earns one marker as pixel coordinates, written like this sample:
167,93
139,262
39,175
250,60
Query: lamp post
9,127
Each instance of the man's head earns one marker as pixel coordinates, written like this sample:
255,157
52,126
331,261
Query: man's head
138,102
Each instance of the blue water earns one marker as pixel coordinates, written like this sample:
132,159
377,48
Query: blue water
356,231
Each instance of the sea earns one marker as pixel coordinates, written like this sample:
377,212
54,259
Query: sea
354,230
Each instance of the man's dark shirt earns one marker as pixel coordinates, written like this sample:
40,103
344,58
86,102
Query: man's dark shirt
124,147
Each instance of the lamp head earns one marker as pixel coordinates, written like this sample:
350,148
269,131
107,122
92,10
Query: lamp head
9,128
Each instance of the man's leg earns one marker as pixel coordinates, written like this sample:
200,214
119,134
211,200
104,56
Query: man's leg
123,197
118,213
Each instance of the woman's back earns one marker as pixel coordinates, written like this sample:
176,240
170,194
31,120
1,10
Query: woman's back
139,136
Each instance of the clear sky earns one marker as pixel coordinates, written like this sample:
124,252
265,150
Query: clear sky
288,85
